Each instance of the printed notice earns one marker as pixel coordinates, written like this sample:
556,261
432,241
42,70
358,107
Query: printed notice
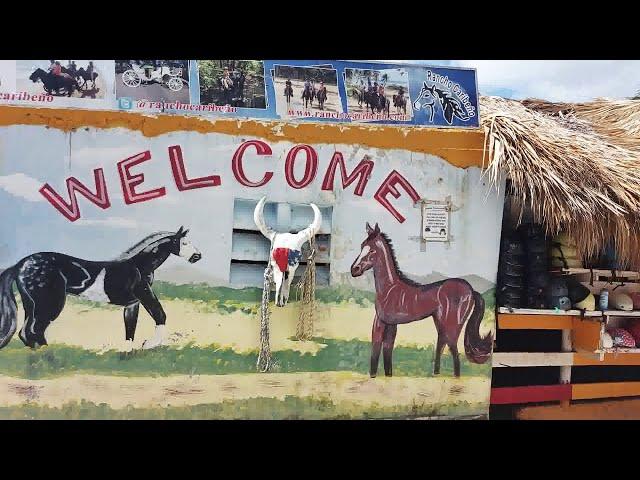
435,222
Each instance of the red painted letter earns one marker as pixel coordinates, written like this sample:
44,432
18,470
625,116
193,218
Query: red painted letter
389,187
129,181
71,210
363,170
310,170
180,174
236,165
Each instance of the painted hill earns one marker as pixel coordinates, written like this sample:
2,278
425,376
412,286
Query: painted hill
184,275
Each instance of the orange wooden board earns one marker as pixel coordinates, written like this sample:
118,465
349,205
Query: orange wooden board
586,335
515,321
619,409
584,391
584,359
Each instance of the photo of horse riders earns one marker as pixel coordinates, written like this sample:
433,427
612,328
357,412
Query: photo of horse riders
236,83
303,91
62,78
153,80
379,92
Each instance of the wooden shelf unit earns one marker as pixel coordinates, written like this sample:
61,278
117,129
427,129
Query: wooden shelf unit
581,346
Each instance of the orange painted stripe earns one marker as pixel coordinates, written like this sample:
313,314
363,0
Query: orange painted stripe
461,148
583,359
514,321
585,391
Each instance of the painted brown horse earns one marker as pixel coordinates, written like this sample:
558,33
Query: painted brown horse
400,300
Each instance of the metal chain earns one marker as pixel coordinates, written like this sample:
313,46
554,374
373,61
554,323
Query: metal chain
264,357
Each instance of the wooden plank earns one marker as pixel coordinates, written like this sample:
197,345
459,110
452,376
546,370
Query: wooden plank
590,359
618,351
547,312
512,321
530,394
586,335
585,391
620,313
532,359
597,272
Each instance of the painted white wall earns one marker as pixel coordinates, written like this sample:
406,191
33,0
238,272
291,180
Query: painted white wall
33,155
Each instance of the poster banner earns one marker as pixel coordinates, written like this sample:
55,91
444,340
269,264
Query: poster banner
291,90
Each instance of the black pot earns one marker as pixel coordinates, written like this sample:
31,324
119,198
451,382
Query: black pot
514,247
530,230
538,245
516,281
511,292
536,301
538,278
533,290
512,259
558,288
511,269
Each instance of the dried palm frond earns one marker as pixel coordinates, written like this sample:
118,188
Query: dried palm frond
577,175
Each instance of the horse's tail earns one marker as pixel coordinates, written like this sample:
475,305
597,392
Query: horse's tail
478,349
8,307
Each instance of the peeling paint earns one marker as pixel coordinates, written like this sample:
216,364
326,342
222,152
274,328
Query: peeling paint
461,148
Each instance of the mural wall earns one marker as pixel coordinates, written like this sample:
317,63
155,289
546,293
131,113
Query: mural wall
98,223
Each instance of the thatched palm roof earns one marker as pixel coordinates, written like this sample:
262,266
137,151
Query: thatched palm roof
578,165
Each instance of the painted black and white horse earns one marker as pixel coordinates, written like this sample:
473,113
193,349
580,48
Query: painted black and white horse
44,280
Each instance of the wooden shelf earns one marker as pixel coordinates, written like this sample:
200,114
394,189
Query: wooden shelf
621,313
619,350
532,359
583,359
587,391
598,272
559,313
511,321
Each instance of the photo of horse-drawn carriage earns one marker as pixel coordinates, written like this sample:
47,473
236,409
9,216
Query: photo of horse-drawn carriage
236,83
165,75
153,80
380,92
300,91
63,78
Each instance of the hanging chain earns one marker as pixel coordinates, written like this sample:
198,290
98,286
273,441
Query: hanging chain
264,357
306,290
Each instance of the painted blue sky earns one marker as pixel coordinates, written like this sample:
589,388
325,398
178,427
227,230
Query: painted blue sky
554,80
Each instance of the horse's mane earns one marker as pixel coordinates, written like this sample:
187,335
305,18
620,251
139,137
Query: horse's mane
144,244
401,275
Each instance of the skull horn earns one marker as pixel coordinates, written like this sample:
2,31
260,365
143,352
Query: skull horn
258,218
314,228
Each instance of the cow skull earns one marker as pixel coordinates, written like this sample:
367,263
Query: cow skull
286,249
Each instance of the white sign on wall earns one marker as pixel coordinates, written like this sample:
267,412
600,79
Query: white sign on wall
435,221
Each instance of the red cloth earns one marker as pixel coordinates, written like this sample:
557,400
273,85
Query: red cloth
633,328
281,256
622,338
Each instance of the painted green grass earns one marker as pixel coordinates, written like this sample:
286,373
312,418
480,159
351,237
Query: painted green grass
290,408
57,360
227,300
246,299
